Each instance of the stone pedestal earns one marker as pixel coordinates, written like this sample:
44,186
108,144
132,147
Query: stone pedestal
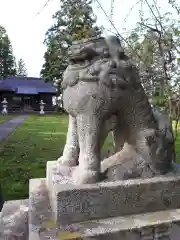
14,224
140,209
76,203
4,105
151,226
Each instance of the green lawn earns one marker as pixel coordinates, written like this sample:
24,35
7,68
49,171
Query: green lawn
3,118
25,153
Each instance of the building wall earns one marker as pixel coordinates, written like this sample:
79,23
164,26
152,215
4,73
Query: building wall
47,98
22,103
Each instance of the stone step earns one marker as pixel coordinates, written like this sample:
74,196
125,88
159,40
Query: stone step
75,203
135,227
14,220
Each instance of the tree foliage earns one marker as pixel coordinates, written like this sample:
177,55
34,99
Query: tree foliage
155,45
75,20
7,59
21,68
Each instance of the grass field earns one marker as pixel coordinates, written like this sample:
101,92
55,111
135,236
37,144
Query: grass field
25,153
4,118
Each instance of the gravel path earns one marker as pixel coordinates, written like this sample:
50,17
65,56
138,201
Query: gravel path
9,126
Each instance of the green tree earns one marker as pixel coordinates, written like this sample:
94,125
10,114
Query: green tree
7,59
155,46
21,68
75,20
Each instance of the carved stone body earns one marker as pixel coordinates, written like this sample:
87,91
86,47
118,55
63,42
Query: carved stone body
103,93
129,163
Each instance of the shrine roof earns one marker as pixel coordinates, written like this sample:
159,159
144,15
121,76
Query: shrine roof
26,85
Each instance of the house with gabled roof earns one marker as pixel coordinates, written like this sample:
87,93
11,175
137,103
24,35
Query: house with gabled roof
25,93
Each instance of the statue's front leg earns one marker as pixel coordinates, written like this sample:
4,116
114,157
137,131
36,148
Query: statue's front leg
71,149
89,141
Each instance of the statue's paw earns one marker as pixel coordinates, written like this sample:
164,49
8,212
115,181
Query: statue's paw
68,162
80,176
63,167
60,159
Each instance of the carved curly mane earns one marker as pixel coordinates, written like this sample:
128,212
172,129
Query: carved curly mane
102,93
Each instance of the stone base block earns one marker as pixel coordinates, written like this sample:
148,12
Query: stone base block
39,208
52,178
75,203
135,227
14,220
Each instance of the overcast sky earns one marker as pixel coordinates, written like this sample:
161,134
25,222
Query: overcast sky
27,32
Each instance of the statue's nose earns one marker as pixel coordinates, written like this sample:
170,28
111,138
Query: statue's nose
113,64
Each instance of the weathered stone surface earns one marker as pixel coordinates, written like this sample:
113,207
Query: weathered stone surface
103,93
72,203
14,220
39,209
135,227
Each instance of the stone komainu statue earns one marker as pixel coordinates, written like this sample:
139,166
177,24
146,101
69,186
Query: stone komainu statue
103,93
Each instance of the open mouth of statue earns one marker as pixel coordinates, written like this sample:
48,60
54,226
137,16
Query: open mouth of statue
79,63
82,59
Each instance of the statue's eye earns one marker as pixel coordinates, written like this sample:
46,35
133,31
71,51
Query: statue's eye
114,65
150,140
106,53
71,62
